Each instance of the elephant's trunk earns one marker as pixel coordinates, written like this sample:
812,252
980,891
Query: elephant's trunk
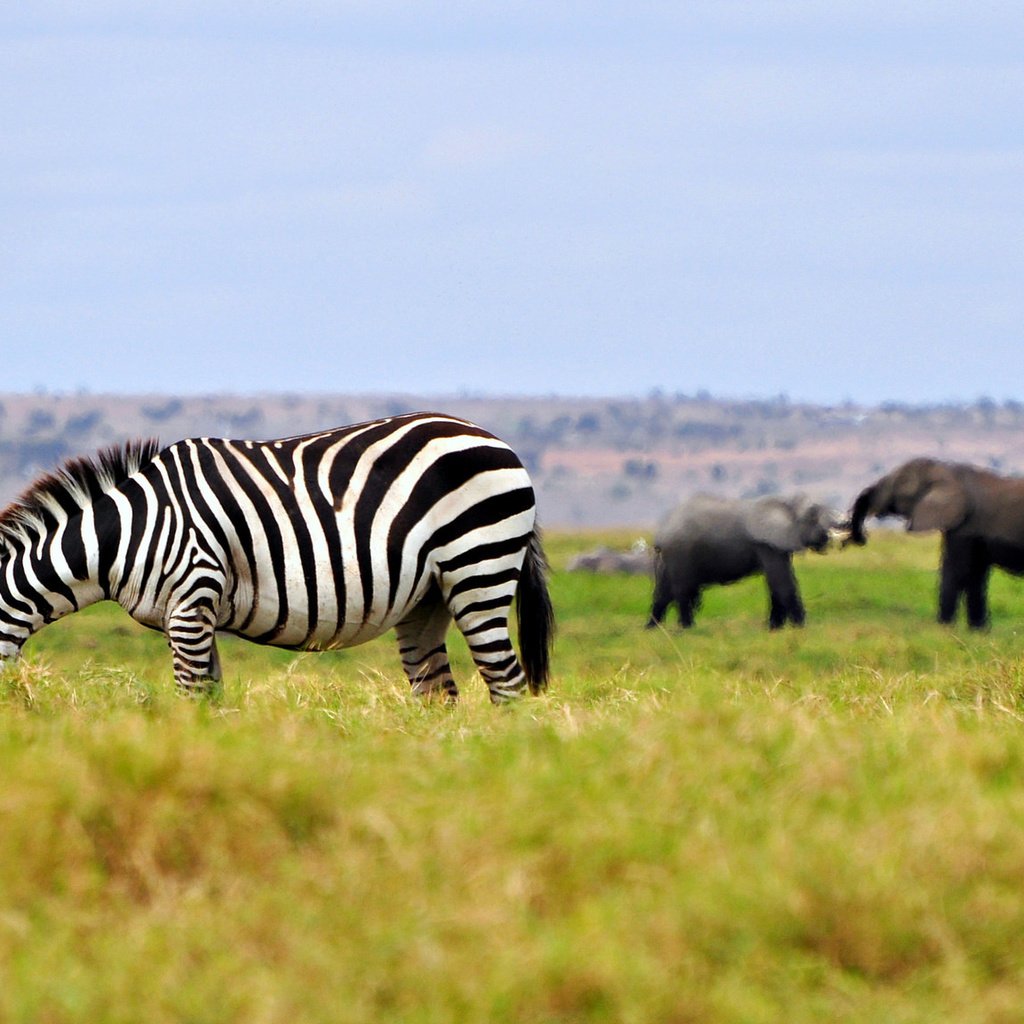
861,510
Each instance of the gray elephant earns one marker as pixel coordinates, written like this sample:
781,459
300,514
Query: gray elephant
634,562
708,540
980,514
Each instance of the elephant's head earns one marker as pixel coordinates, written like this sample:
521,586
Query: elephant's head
792,524
925,492
816,523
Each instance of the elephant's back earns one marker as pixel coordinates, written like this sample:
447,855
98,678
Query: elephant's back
700,516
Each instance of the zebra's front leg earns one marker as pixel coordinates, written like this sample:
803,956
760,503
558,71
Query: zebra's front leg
191,634
421,643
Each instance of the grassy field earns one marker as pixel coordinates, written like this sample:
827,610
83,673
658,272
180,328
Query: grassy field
724,825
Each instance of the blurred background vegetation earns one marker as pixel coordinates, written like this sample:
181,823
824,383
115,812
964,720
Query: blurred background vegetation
596,462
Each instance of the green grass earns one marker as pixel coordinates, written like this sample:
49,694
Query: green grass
725,824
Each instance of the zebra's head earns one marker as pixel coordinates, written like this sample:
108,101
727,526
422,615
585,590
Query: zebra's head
38,583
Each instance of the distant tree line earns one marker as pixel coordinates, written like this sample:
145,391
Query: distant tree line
664,443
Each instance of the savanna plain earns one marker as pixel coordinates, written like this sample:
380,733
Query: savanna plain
723,825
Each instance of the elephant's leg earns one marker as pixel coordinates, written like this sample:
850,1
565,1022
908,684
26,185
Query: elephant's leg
954,573
662,597
785,603
687,602
977,590
673,585
797,612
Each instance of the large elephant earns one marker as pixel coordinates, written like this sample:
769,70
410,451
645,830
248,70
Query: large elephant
708,540
980,514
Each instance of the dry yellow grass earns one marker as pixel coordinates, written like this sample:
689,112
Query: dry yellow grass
724,825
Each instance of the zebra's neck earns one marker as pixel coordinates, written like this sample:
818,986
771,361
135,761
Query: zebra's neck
48,568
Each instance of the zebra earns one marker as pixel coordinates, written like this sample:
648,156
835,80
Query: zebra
314,542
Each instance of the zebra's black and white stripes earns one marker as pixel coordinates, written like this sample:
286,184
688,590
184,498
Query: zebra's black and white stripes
314,542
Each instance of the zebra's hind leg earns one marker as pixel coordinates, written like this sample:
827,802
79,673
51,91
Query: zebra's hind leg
484,624
191,634
421,643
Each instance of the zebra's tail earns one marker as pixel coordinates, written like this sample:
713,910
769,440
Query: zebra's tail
535,616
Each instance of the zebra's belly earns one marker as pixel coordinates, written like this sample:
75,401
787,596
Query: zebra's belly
297,618
325,635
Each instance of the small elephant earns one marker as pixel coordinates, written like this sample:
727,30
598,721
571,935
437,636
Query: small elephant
709,540
980,514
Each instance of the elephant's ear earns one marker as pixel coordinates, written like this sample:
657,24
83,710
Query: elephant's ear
942,507
773,523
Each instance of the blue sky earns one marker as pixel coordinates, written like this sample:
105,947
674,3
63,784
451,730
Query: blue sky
822,200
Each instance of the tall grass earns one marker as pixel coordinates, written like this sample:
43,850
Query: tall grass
725,824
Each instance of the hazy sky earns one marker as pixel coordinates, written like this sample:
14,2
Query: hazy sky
822,199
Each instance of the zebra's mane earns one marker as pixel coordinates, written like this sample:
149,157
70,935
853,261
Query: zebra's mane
75,484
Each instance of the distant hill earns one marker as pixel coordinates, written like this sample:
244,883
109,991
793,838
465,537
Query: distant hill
595,461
